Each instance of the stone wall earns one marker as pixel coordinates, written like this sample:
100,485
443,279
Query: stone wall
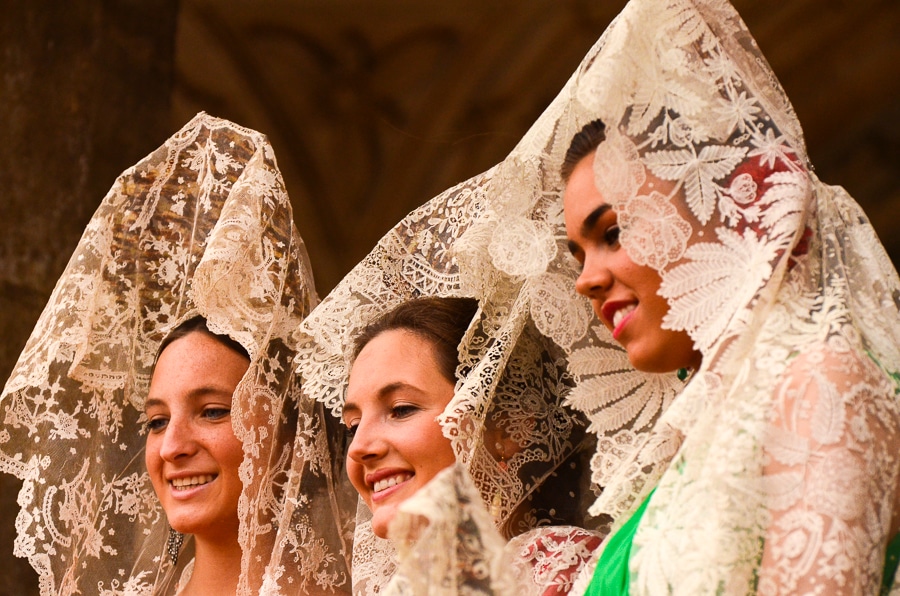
85,93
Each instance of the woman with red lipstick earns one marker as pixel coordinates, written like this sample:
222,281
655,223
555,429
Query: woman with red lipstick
124,457
741,368
710,252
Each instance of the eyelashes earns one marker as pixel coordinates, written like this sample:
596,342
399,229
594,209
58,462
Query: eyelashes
611,235
212,414
398,412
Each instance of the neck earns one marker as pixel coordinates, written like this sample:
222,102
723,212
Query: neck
217,567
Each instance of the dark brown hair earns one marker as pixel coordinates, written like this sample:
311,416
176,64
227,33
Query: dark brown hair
198,323
441,321
585,140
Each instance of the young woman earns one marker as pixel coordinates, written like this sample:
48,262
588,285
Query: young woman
404,369
740,369
192,454
402,378
710,251
202,226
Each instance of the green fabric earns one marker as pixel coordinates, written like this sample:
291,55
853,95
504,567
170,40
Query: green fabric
611,575
891,559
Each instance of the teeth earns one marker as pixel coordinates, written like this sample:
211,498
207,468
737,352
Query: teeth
621,314
389,482
182,483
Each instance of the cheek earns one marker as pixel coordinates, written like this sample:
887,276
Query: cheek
232,454
151,453
435,449
153,462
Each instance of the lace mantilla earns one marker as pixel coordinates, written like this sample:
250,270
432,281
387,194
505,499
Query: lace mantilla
775,468
201,226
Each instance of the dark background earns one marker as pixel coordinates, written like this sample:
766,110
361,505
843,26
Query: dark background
372,106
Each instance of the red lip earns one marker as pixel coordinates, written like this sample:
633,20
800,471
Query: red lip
609,308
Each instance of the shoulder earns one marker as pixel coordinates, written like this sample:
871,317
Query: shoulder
829,389
834,369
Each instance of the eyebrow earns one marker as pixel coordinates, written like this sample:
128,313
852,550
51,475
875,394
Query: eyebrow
591,220
588,224
197,393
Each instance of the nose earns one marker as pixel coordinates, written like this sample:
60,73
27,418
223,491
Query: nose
369,443
595,278
178,441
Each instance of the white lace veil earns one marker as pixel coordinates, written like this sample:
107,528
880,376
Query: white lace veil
513,378
775,469
201,226
783,444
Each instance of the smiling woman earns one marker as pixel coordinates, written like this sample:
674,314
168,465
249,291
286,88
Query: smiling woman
441,467
146,411
192,454
401,381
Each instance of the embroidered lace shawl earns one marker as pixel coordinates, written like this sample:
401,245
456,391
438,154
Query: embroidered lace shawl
200,226
512,386
775,469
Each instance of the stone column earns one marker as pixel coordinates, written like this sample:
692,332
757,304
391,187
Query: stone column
84,93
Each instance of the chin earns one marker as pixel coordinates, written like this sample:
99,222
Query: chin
381,520
380,528
650,364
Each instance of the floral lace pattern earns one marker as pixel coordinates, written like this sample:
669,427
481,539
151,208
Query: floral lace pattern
775,276
513,379
201,226
786,430
473,557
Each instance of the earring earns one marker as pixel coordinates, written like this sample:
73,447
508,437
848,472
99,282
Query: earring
501,451
176,539
684,374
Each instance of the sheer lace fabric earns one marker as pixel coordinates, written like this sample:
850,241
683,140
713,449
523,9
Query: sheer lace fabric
513,379
775,468
200,226
513,383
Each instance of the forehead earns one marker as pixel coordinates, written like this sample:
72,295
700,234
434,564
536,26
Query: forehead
395,357
580,196
196,363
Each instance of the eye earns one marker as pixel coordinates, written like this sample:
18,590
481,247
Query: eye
611,235
403,411
351,430
216,413
576,259
156,424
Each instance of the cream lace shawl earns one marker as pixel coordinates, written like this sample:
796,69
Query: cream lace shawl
201,225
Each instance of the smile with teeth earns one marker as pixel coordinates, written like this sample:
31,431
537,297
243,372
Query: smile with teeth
191,481
620,314
391,481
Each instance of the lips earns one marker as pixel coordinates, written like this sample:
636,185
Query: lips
617,314
620,315
390,481
188,482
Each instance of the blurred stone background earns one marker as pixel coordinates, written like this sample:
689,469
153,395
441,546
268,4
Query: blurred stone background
372,106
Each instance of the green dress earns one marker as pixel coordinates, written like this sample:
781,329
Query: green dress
611,577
